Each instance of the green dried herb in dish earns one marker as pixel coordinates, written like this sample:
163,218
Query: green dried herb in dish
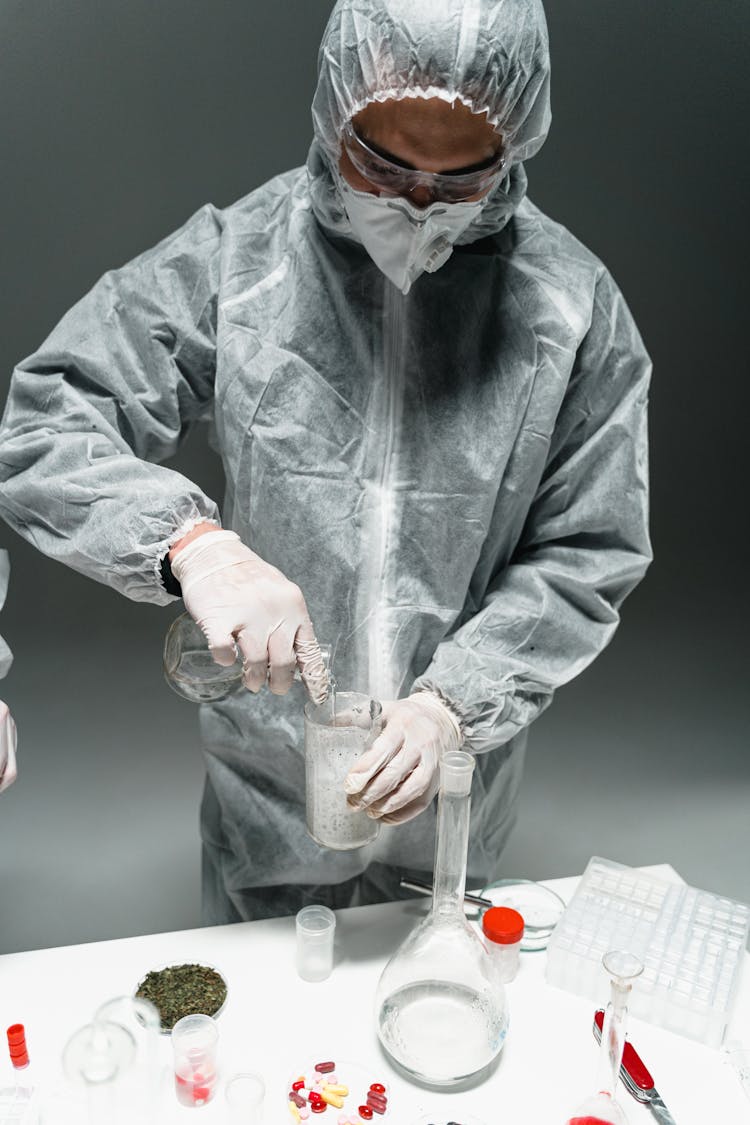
183,990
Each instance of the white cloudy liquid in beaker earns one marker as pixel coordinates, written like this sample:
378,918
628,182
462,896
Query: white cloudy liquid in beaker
441,1032
330,819
337,733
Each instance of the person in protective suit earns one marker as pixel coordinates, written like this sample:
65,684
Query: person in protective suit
8,768
430,403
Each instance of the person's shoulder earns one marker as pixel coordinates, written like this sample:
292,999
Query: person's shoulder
543,240
273,201
551,254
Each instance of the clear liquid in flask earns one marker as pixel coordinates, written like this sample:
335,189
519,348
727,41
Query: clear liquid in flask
440,1031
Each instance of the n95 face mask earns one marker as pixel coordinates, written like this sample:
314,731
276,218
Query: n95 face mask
403,240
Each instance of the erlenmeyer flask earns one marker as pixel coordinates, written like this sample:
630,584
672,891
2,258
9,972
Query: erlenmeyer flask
441,1012
602,1108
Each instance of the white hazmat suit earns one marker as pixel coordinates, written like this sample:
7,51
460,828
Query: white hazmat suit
456,478
7,726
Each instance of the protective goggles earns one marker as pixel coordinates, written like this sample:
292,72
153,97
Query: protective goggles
447,187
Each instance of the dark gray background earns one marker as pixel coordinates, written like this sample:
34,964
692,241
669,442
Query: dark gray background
120,120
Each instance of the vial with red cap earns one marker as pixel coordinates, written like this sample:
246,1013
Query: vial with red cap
19,1055
503,931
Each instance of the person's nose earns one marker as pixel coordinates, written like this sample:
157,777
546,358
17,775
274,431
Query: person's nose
421,195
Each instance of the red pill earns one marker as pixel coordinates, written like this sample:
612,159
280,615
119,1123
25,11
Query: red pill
298,1100
365,1112
319,1107
377,1088
376,1107
314,1097
298,1084
325,1067
373,1097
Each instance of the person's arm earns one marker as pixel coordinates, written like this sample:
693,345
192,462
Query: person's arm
110,393
8,771
584,547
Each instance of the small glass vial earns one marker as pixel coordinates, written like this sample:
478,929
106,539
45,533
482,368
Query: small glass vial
503,931
316,928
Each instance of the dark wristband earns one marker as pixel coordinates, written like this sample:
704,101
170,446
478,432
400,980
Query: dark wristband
169,582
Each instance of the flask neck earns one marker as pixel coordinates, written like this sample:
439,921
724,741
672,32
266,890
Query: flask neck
451,852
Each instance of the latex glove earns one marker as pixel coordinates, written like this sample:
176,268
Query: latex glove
232,594
8,771
399,775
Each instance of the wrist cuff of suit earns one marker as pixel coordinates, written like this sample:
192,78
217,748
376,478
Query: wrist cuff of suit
168,580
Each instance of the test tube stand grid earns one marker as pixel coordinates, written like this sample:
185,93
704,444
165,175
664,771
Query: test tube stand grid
691,943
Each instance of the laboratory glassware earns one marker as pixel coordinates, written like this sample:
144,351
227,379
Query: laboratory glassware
602,1108
691,942
315,927
115,1060
337,733
194,1045
424,888
244,1095
635,1077
738,1057
440,1011
191,671
540,908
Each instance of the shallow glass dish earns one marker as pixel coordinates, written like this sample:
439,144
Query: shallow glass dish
540,908
177,965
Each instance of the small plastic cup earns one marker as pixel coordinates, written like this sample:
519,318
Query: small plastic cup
244,1096
316,927
194,1043
503,930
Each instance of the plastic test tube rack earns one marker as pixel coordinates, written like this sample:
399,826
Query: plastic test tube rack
691,943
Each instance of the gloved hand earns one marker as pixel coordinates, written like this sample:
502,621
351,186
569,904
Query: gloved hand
8,771
399,775
233,594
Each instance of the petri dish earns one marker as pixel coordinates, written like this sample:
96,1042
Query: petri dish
540,908
166,1029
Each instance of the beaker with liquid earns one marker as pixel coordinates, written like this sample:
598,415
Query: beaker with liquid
337,733
440,1010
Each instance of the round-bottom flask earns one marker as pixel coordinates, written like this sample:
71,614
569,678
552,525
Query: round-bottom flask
441,1012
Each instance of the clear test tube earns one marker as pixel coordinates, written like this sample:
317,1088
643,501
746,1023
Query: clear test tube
244,1096
194,1044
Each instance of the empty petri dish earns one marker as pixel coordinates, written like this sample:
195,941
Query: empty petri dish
539,907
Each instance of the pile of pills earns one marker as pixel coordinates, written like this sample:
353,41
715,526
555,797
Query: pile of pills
316,1093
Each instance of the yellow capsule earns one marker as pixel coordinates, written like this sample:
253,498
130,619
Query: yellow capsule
294,1111
338,1089
331,1098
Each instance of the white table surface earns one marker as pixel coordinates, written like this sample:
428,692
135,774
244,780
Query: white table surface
275,1024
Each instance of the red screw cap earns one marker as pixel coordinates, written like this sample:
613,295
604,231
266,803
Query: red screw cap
19,1054
502,925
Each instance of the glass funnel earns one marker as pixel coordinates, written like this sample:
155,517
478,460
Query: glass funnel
602,1108
441,1012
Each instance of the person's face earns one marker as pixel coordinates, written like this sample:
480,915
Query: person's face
428,134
